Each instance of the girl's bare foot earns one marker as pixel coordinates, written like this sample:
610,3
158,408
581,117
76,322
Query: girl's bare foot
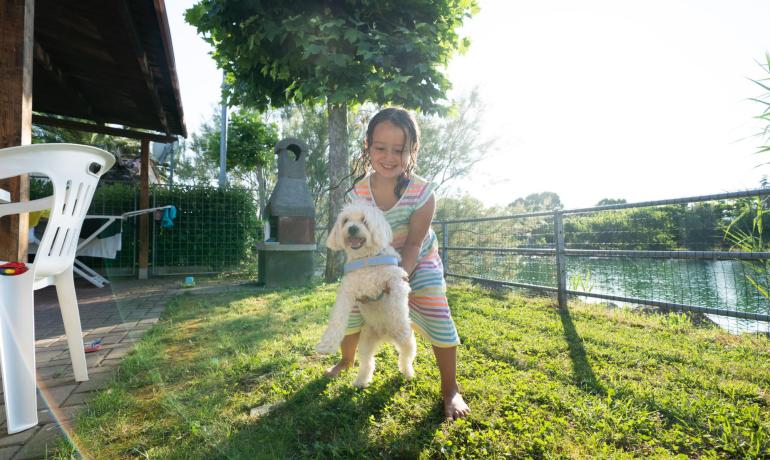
335,370
455,406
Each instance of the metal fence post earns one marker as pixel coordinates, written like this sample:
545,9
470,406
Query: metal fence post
561,266
445,244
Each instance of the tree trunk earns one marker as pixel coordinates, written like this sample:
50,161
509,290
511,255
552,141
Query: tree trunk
261,191
338,178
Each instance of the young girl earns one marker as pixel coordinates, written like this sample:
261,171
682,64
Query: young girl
392,142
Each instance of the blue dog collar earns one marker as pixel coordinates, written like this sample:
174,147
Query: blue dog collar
370,261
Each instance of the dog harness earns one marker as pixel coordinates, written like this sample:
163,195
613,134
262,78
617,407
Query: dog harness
369,262
366,299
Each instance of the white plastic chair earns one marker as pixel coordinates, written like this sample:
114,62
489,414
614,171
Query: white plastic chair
74,171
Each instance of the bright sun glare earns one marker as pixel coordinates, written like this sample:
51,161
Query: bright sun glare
591,100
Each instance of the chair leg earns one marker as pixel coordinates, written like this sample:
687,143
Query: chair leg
68,302
17,351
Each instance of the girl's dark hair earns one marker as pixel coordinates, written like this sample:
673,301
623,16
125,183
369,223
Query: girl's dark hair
404,120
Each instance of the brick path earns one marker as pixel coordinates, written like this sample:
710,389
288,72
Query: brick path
118,314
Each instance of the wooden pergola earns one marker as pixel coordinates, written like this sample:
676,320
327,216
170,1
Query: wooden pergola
85,65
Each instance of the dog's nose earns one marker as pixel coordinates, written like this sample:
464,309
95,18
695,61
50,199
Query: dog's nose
353,230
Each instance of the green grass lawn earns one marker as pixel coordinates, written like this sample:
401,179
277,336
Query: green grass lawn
591,382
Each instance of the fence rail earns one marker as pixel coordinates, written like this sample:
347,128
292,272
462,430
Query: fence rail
512,251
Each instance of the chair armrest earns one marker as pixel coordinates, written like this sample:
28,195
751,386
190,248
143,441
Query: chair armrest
26,206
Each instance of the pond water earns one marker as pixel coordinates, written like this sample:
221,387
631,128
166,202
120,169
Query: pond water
705,283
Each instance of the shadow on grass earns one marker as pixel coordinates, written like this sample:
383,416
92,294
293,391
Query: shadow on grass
188,341
582,374
315,419
311,423
243,326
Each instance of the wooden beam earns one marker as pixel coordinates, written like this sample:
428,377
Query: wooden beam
92,128
17,30
160,11
144,203
143,62
66,82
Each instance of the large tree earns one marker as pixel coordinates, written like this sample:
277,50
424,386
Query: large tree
337,53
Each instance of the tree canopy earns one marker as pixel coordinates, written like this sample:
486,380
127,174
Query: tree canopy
250,141
276,53
534,202
609,201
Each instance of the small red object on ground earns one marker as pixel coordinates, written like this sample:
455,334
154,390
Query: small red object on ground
90,347
13,268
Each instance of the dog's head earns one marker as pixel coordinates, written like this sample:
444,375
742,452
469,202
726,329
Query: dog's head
360,230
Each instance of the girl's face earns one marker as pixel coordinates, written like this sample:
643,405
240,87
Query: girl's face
387,150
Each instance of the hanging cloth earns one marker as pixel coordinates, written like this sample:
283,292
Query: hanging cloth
169,214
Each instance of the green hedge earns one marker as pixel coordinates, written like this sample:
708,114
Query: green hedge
214,229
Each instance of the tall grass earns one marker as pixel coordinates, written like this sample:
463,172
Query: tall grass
750,239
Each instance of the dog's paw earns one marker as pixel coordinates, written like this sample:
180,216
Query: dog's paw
326,347
362,383
406,369
408,373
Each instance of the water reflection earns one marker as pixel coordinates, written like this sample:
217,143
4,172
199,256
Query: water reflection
708,283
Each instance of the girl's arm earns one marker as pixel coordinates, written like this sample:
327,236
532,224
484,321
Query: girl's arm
419,224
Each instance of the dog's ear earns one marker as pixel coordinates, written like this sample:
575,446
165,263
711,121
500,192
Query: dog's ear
382,234
334,240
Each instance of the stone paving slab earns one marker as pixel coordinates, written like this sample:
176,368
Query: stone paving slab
42,443
7,453
118,314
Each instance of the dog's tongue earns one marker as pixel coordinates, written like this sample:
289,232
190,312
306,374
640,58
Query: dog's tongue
356,242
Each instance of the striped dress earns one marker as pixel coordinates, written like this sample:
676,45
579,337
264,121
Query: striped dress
428,306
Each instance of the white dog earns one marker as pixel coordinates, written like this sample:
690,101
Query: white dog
373,281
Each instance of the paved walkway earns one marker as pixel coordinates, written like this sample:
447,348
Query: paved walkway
118,314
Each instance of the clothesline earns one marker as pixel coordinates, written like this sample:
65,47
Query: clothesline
90,274
111,219
109,245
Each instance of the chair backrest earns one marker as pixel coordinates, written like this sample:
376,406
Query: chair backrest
74,171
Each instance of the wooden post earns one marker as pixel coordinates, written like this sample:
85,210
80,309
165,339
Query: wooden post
144,203
17,22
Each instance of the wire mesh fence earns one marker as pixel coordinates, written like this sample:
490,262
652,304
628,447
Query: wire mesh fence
213,231
113,199
705,255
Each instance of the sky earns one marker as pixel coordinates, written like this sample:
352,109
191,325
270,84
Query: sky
640,100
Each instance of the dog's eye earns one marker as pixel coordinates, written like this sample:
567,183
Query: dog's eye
344,221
